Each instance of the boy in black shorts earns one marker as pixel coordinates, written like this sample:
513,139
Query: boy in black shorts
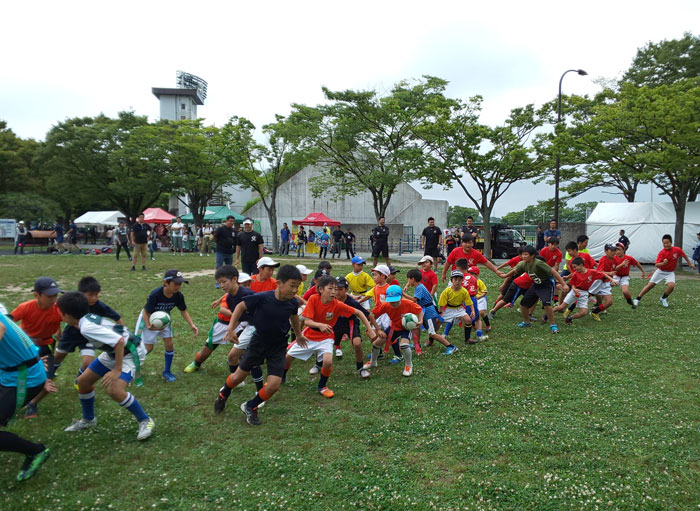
271,313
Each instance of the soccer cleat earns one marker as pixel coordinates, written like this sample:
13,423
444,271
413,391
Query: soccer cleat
369,364
663,301
595,316
450,350
407,370
31,464
31,412
488,328
484,338
251,416
364,373
191,368
635,303
168,376
491,315
339,353
395,360
567,313
522,324
219,404
314,369
82,424
554,329
145,429
326,392
569,320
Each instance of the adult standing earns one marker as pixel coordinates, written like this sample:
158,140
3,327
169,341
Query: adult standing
72,235
539,245
696,253
552,232
338,238
470,228
58,229
177,230
324,240
285,235
153,244
301,241
122,235
207,237
380,235
431,240
249,248
139,238
21,237
225,239
450,242
624,239
349,244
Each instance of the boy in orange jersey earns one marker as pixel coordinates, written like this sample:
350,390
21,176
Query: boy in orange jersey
263,281
40,319
621,266
380,275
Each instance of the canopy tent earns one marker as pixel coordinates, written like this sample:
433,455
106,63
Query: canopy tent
100,218
316,219
157,216
644,224
215,215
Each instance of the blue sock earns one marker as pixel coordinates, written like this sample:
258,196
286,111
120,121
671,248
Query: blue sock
448,327
132,404
479,333
168,360
87,402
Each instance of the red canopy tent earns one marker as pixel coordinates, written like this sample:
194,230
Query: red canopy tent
157,216
316,219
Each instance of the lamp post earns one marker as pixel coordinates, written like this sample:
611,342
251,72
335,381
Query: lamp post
581,72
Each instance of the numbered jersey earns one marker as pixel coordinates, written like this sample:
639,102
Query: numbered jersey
104,334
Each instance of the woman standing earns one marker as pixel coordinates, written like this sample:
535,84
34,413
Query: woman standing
122,238
301,241
207,234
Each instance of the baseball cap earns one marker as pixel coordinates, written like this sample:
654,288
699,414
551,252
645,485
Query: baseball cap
21,221
267,261
248,221
243,277
46,286
321,273
610,246
341,281
393,269
175,276
620,245
303,269
359,260
426,258
474,269
393,293
456,273
383,269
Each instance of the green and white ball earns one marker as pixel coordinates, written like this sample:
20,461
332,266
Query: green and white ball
159,320
409,321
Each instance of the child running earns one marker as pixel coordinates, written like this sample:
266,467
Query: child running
263,281
581,280
471,284
451,304
621,265
601,288
359,282
482,303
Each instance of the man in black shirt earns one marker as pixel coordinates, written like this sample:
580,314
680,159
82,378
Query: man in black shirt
431,241
249,248
470,228
139,238
338,236
349,244
624,239
225,239
380,235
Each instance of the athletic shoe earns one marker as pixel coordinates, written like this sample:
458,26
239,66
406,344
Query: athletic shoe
82,424
132,268
595,316
407,370
314,369
450,350
554,329
488,328
483,338
395,360
364,373
369,365
567,313
522,324
31,412
326,392
251,416
191,368
168,376
663,301
635,303
339,353
31,464
145,429
219,405
491,315
569,320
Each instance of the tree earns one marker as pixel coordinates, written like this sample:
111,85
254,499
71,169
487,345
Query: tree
262,168
665,62
493,158
367,141
457,215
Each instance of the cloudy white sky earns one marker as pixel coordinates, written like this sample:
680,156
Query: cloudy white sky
80,58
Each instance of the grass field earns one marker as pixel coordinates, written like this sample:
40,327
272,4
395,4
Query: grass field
602,416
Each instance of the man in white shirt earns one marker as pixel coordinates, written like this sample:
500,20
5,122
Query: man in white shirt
176,231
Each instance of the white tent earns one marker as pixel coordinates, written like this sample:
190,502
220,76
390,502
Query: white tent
100,218
644,224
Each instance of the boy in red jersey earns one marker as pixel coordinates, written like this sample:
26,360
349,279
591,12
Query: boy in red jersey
666,263
552,254
601,288
582,279
621,265
473,257
429,277
470,282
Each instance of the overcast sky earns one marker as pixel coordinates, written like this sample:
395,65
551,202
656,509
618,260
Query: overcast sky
68,59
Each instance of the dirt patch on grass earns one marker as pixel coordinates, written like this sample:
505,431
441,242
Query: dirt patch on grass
199,273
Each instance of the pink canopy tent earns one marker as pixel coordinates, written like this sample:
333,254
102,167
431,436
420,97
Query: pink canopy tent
316,219
157,216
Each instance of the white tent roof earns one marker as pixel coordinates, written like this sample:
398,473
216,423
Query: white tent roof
100,218
644,224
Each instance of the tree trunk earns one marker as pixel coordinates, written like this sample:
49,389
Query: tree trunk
679,206
486,216
272,217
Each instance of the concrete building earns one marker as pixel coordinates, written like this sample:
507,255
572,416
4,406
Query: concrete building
407,210
177,104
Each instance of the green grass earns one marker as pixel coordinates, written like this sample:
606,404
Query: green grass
603,415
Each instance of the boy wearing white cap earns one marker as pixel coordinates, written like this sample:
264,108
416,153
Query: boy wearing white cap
304,275
263,280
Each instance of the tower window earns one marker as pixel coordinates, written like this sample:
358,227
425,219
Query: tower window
182,106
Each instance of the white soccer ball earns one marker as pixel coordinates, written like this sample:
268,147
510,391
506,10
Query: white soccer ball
409,321
159,320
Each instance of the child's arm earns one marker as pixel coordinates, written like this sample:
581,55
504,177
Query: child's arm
610,279
409,297
644,274
493,268
380,332
116,371
233,323
558,278
300,300
186,316
216,302
296,326
687,260
503,265
225,311
323,327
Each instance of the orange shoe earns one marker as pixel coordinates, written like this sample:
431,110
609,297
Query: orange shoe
326,392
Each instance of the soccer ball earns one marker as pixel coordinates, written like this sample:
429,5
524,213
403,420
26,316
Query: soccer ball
409,321
160,319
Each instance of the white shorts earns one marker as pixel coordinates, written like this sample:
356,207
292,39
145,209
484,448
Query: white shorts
384,321
581,301
482,304
601,288
666,276
245,334
318,347
623,281
451,314
127,362
219,329
151,336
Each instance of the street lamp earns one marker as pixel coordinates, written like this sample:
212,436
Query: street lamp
581,72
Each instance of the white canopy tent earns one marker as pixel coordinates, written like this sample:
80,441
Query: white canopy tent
100,218
644,224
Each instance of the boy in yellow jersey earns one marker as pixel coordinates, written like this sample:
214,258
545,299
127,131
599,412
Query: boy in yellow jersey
304,275
360,282
451,303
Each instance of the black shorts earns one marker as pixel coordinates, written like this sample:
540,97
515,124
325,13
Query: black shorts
380,248
71,338
8,401
400,334
543,292
513,292
351,329
260,352
432,252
